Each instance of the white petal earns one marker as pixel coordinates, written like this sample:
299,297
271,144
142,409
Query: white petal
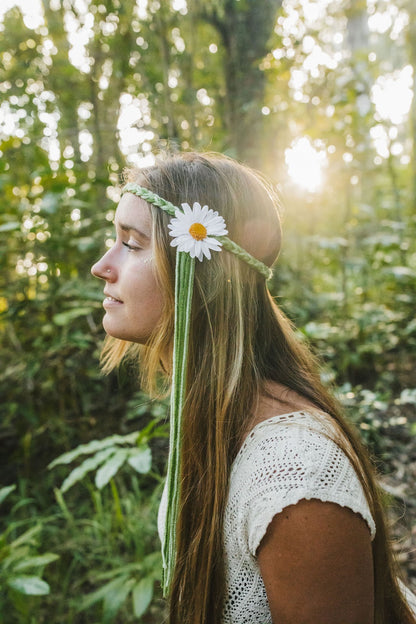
186,209
205,212
207,252
213,243
183,238
198,213
216,231
217,221
176,231
188,244
198,247
178,214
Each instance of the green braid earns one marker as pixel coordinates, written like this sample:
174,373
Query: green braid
150,197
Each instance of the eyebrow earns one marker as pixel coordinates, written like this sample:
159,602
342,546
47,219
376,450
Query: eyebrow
125,227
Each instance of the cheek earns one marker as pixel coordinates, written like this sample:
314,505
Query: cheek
147,297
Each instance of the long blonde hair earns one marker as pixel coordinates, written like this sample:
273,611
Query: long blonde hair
239,340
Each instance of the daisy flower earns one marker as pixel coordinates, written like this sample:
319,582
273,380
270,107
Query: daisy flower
194,230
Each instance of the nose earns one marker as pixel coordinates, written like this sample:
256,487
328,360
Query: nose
103,269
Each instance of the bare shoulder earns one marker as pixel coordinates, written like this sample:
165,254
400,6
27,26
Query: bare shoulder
316,564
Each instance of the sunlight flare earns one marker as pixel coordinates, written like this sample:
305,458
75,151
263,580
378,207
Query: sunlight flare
392,95
305,164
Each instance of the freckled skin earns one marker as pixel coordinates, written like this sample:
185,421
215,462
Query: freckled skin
130,275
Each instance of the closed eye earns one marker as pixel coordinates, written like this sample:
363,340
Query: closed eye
131,247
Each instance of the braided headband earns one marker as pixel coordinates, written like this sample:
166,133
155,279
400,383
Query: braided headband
195,232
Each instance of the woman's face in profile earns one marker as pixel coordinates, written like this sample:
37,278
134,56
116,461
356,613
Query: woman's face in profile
134,302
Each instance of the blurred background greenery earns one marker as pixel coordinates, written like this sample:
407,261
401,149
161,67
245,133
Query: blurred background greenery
320,97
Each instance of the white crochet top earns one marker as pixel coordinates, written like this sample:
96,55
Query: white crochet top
283,460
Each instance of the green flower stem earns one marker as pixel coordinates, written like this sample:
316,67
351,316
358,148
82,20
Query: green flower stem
184,279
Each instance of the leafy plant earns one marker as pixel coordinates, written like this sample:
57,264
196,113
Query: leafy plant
107,457
21,565
136,580
133,580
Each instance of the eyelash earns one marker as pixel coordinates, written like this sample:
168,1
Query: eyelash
131,247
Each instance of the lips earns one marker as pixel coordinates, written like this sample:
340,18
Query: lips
111,300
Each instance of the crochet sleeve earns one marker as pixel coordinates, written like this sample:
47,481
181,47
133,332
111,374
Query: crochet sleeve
284,463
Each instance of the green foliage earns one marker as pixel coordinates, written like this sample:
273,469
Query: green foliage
105,546
21,566
110,454
124,582
124,579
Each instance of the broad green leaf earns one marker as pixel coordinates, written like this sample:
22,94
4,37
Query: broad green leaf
84,243
126,570
153,564
408,396
11,556
29,585
331,243
26,537
140,459
383,239
115,598
63,318
5,491
410,328
99,594
93,447
319,330
35,562
87,466
51,202
8,227
142,595
400,271
110,468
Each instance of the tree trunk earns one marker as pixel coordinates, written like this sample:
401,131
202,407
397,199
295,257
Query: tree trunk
245,28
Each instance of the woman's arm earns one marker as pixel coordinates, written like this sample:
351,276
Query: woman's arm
316,564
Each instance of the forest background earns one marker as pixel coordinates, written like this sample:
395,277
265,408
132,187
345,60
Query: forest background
320,97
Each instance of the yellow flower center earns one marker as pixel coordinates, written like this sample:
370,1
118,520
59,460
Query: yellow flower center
198,231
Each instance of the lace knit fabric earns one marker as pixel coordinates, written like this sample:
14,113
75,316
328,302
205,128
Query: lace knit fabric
284,459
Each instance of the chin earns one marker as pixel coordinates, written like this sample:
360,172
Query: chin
115,332
122,334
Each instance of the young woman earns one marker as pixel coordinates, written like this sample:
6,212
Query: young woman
275,514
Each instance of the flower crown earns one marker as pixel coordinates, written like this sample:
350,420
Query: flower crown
196,230
195,233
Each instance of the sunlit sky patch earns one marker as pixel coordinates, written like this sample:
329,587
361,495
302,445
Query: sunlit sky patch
392,95
390,17
134,115
31,10
305,164
79,35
